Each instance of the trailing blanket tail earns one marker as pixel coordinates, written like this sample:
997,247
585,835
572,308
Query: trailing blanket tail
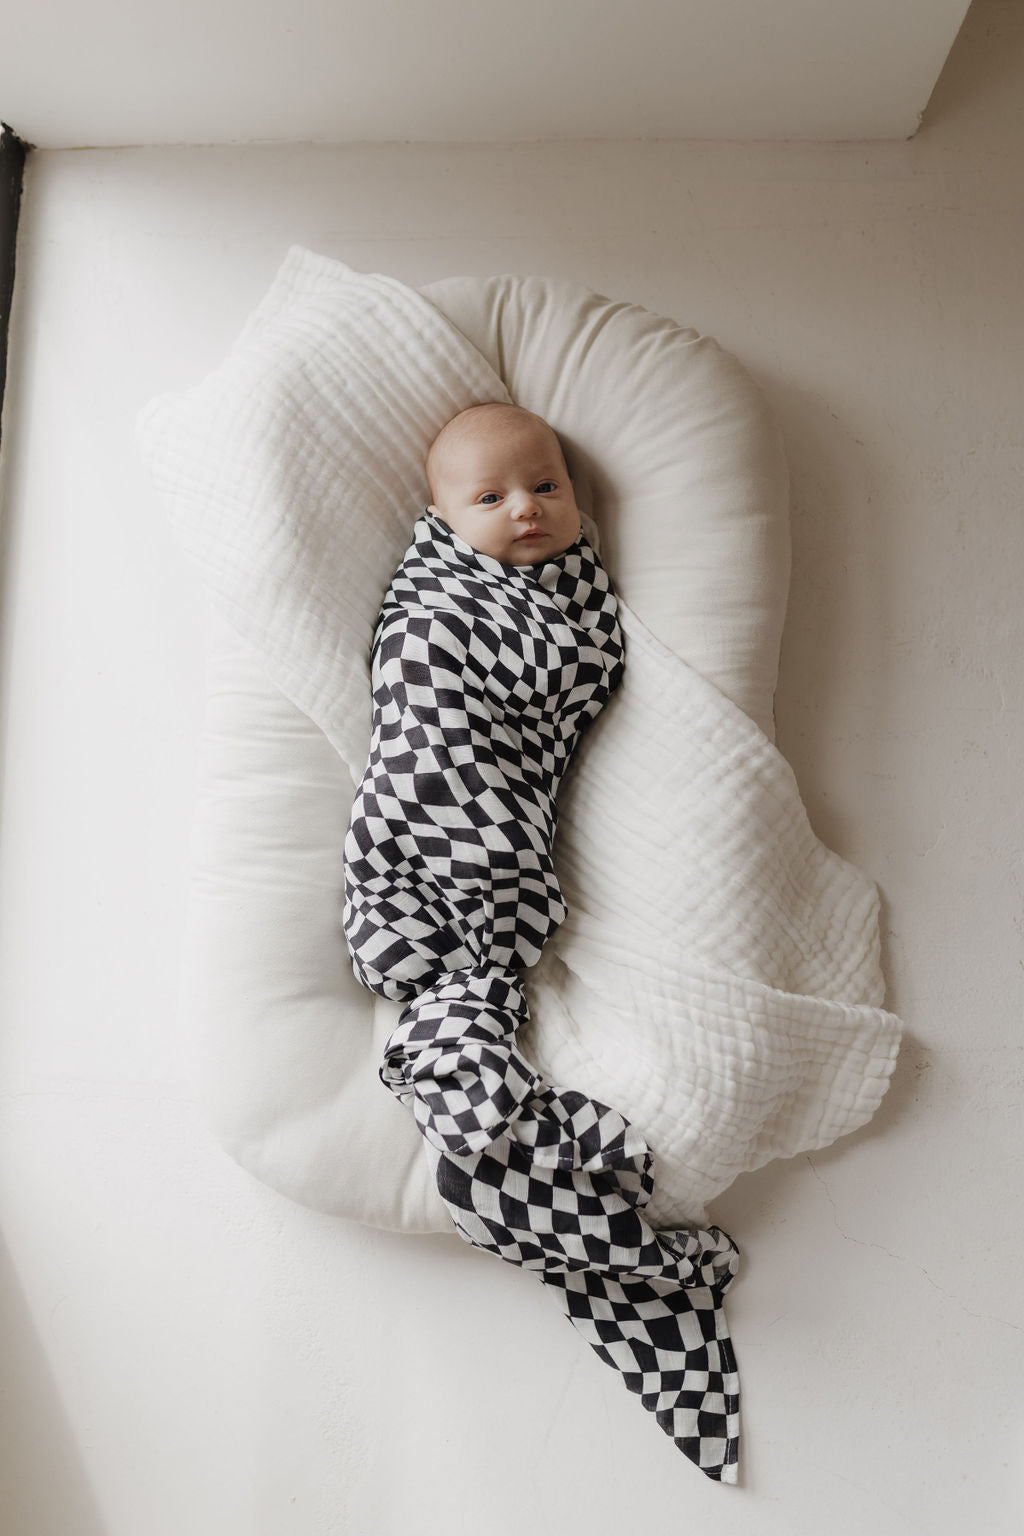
556,1183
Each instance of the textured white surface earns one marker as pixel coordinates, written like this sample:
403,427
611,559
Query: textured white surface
717,978
216,71
190,1353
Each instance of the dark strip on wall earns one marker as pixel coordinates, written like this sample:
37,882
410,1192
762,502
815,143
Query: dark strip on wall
12,172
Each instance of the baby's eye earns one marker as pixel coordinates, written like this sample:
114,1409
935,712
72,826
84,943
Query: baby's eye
549,483
484,498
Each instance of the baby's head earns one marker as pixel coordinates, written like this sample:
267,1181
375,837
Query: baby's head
498,478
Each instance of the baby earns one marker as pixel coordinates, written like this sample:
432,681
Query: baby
496,645
498,478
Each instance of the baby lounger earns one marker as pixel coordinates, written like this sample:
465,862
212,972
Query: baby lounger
680,476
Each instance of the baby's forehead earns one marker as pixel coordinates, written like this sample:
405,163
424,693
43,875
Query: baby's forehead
492,432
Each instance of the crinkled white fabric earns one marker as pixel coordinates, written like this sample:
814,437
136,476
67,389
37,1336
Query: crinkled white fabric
717,977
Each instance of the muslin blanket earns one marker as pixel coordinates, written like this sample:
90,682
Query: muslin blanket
716,977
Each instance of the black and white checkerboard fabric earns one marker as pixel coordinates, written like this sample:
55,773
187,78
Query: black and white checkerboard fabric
484,678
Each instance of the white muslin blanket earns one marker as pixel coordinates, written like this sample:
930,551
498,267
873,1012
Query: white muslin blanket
717,978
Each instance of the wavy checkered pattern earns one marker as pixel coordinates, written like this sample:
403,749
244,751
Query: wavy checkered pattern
484,678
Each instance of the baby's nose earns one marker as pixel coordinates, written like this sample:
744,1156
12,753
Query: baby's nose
525,505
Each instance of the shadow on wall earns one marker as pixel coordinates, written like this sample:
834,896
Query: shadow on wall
981,75
44,1486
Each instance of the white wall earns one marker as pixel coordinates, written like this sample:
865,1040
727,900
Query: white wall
192,1355
223,71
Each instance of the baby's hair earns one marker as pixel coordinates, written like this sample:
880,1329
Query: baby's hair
456,427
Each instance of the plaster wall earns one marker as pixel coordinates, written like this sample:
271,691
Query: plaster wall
192,1355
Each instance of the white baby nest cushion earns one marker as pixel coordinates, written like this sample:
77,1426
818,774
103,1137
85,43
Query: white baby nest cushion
671,444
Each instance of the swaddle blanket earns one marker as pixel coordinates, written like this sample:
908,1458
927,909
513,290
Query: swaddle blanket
484,678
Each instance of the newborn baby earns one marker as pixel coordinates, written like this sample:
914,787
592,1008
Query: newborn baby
497,645
499,480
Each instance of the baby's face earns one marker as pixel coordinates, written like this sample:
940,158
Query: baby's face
503,488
